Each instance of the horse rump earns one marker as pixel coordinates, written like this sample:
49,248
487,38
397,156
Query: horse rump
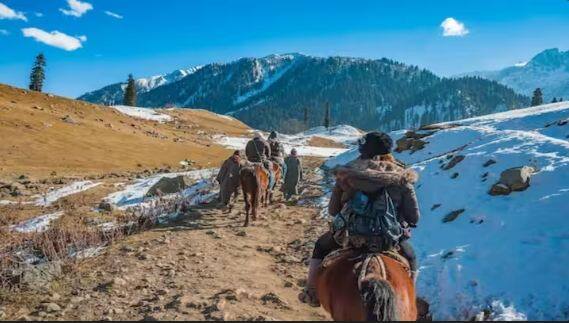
250,184
379,300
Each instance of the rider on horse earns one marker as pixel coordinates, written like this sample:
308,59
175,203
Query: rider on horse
375,169
277,152
258,150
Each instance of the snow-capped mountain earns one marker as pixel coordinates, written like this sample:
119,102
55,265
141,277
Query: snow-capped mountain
548,70
504,254
114,93
273,92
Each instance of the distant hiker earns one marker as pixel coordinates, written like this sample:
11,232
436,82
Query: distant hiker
375,173
258,150
228,178
293,176
277,152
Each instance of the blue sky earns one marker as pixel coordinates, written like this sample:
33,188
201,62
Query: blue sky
154,37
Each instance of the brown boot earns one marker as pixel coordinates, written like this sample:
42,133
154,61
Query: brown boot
309,295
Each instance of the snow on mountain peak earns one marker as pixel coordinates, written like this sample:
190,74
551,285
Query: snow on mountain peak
548,70
152,82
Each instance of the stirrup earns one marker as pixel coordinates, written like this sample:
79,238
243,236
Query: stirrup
308,296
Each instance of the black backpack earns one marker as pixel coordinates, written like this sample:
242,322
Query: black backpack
371,218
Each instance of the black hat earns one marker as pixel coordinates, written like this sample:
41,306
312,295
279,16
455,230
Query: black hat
374,144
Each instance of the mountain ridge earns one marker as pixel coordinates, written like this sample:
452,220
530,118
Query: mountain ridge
272,92
548,70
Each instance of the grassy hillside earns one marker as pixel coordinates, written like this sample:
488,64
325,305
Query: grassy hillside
42,134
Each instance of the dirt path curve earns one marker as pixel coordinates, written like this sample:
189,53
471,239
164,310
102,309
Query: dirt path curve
204,265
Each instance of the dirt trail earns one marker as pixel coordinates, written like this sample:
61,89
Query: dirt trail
203,265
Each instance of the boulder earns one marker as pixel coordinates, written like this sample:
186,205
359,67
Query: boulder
169,185
411,141
517,178
511,180
37,277
409,144
69,119
106,206
455,160
453,215
50,307
489,162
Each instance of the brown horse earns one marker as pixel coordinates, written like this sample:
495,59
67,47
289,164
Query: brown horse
255,184
384,291
277,171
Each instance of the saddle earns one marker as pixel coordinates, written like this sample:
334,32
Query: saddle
362,261
253,165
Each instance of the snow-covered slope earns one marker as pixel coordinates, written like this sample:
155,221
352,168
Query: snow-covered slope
508,254
548,70
143,113
342,134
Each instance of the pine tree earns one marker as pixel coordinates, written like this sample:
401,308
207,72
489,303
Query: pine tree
327,116
37,76
130,92
537,98
306,117
554,100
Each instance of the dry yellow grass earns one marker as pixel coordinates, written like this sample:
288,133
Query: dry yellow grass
324,142
37,141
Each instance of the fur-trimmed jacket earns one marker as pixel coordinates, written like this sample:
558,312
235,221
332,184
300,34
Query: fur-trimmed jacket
369,176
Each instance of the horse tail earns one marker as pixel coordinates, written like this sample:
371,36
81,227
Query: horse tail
379,300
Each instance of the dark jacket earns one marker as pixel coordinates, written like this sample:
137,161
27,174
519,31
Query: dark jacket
293,175
257,150
277,149
369,176
229,171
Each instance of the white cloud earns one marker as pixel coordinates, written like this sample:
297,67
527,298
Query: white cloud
55,38
77,8
114,15
8,13
453,28
38,14
4,32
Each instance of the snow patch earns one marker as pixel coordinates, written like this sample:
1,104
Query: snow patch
73,188
343,134
134,194
37,224
142,113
